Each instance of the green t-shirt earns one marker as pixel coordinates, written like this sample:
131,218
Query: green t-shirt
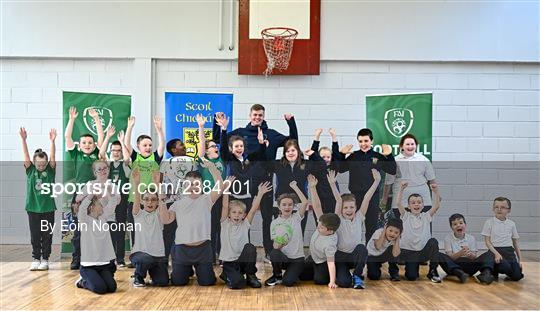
83,164
205,173
146,167
36,201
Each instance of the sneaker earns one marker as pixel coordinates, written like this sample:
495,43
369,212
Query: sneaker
34,266
223,277
461,275
252,281
44,265
433,275
484,277
358,283
121,264
273,280
138,281
75,264
78,283
395,278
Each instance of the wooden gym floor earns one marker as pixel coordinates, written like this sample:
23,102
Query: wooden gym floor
55,289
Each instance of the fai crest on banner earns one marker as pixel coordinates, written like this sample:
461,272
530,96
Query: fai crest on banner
398,121
105,116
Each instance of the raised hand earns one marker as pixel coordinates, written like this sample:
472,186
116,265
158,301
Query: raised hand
264,187
288,116
346,149
22,132
434,187
293,184
332,132
52,134
200,120
93,113
73,113
121,136
158,123
332,175
111,131
260,135
312,181
404,185
318,132
131,121
386,149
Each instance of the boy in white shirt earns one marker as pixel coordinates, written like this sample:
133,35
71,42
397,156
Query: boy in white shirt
417,245
384,247
461,257
192,241
502,240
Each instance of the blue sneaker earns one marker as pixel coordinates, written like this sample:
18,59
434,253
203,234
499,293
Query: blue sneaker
358,283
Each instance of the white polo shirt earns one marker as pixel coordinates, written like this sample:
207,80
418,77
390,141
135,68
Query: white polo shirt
452,244
501,231
416,171
416,231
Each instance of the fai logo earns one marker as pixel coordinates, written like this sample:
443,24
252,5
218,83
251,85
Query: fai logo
105,116
398,121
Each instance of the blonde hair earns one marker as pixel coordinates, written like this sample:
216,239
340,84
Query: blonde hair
237,203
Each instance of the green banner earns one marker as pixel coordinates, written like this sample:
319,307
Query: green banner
112,109
392,116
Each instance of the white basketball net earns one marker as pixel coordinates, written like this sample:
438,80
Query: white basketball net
278,45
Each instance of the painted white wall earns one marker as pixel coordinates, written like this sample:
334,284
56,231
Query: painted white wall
482,112
433,30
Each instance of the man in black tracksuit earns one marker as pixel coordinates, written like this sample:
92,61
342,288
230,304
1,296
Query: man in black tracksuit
260,172
359,165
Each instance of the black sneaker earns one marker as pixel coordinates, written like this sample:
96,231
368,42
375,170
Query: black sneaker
253,281
461,275
138,281
223,277
484,277
78,283
75,265
395,278
273,280
121,264
433,275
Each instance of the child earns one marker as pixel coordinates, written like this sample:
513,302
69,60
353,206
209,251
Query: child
288,251
359,165
39,207
351,250
174,171
417,245
461,255
208,149
148,253
502,240
293,167
324,241
97,253
238,255
331,158
145,160
82,157
240,164
379,250
192,241
119,175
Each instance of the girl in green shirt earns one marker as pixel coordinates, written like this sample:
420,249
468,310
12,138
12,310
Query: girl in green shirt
39,207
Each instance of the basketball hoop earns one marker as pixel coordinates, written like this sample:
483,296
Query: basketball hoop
278,45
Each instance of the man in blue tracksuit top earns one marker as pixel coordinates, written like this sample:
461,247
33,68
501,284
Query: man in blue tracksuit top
260,172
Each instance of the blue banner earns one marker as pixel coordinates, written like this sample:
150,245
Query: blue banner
180,112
